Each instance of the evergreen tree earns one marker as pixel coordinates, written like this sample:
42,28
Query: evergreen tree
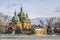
18,31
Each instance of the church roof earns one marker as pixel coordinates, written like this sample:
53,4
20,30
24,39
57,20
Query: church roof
22,17
15,17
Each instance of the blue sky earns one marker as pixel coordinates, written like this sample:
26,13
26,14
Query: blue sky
34,8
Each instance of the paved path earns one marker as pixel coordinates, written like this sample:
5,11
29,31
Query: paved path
29,37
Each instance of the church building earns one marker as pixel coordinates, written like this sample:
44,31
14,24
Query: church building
21,20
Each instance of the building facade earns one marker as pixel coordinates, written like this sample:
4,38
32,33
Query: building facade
21,20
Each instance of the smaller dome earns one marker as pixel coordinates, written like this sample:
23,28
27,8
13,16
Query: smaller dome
15,18
26,15
23,14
